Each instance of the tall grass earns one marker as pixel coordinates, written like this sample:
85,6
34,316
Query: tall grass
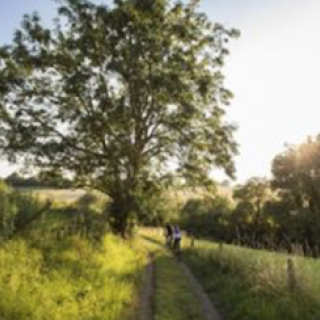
69,279
252,284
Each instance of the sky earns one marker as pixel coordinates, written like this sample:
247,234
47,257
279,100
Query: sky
273,71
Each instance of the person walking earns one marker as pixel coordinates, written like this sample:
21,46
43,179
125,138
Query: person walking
169,235
177,236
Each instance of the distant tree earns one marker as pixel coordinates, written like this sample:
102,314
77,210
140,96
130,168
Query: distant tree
207,217
296,173
44,178
18,180
15,179
53,178
122,97
296,177
250,214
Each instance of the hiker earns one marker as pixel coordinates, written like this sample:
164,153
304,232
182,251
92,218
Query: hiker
168,234
176,238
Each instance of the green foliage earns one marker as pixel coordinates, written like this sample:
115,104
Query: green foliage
207,217
258,217
297,174
160,206
252,222
115,94
72,280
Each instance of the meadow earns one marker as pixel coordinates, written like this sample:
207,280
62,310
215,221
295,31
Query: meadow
64,267
66,196
249,284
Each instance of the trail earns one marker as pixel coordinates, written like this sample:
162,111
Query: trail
209,311
147,305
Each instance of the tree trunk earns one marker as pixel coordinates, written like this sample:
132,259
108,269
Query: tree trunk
122,215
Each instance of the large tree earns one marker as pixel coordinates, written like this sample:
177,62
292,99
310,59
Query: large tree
122,96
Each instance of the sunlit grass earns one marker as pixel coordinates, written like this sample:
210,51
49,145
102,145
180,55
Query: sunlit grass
69,279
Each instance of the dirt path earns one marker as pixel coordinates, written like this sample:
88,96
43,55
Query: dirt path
146,305
209,311
147,296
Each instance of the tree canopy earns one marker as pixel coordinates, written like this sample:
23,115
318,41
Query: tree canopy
122,96
297,174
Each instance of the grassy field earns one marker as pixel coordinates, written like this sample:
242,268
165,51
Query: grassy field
75,278
251,284
66,196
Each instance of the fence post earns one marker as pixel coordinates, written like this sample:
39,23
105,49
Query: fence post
192,242
291,275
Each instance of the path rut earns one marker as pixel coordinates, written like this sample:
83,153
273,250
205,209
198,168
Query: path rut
146,304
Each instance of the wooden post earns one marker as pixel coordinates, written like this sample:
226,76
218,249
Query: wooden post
192,242
291,275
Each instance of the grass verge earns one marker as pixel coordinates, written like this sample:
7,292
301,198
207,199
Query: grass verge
251,284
